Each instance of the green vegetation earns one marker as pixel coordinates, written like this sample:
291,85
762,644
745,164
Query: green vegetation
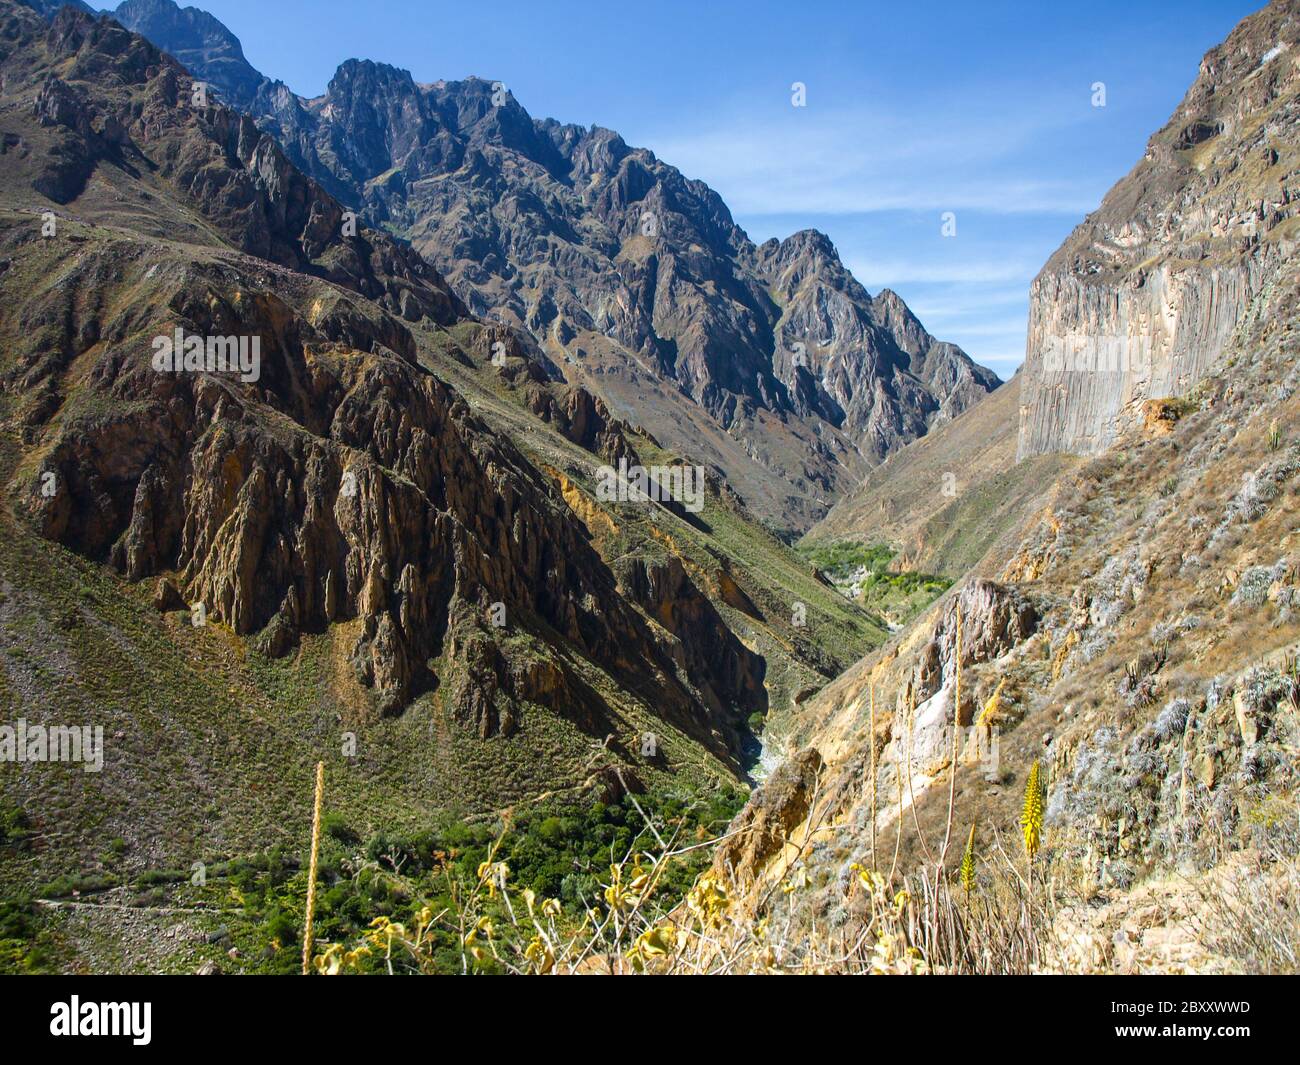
15,825
860,571
252,907
27,944
840,559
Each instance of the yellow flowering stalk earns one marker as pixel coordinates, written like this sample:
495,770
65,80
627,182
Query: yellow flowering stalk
968,864
311,873
1031,820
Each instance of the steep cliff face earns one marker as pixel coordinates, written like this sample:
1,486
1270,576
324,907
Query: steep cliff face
333,480
1142,299
1137,643
771,364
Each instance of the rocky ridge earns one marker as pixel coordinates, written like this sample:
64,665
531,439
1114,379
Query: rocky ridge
770,363
344,482
1138,637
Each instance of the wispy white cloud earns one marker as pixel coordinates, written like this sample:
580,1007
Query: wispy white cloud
868,175
1002,364
864,160
1001,327
973,301
877,273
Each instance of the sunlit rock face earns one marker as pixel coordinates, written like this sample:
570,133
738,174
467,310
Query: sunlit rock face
770,363
1143,298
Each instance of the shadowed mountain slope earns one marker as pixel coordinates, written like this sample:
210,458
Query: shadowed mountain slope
380,537
771,364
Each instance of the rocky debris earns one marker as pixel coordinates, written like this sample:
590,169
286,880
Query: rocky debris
1159,927
167,596
773,811
994,619
1247,718
1159,416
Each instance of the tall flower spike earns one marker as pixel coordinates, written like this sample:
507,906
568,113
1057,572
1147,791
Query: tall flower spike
873,773
956,732
311,874
968,863
1031,820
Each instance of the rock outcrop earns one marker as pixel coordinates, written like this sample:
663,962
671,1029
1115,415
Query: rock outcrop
773,812
771,363
334,479
1144,297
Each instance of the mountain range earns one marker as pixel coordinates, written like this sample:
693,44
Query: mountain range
386,545
768,363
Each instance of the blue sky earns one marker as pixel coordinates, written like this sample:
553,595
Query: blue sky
913,109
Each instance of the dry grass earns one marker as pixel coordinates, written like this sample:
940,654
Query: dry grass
1249,908
993,920
923,923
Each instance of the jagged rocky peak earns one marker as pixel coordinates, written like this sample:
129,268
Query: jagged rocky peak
619,266
866,363
199,42
807,245
121,103
1141,300
335,480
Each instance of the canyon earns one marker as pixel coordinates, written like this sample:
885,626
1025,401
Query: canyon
407,549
